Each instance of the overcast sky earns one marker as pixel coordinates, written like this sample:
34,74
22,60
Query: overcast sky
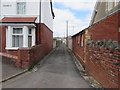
77,12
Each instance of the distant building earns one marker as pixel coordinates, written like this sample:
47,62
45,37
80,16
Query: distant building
98,46
26,30
57,41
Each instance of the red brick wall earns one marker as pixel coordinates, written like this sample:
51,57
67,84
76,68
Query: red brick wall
106,29
27,57
46,38
30,56
0,39
3,39
101,63
3,43
78,50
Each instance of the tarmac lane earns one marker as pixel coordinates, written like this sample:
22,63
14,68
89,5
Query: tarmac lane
8,69
58,71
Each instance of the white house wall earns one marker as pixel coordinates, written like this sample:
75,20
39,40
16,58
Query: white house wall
32,10
8,8
47,15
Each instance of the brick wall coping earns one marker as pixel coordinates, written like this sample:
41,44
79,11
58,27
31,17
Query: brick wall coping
8,56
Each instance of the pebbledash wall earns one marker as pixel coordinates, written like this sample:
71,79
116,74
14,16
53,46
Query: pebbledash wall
100,53
27,57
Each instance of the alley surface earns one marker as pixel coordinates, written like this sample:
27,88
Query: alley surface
8,69
58,71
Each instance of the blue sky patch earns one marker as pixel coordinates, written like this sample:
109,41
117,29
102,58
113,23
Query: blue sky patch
80,14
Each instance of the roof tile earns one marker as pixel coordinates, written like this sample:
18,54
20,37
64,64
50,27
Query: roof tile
18,19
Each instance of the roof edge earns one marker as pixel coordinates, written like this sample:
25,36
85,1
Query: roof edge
117,11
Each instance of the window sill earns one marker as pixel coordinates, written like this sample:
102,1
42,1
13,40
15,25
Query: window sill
11,48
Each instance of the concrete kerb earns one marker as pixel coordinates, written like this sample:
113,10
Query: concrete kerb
13,76
28,70
92,82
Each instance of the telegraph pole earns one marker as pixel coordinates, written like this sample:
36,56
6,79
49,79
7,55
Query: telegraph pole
67,33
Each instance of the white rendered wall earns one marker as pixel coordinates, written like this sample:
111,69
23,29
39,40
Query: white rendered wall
47,15
70,43
8,9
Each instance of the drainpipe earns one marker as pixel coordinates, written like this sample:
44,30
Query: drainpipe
39,24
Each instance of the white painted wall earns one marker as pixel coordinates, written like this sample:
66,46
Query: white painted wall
46,14
8,9
54,43
70,42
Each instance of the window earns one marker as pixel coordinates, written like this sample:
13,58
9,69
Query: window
110,4
22,36
21,7
30,38
17,37
78,39
82,40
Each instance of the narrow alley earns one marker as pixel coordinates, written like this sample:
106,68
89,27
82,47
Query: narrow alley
58,71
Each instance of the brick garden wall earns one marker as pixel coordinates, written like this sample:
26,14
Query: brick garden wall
101,57
27,57
30,56
103,65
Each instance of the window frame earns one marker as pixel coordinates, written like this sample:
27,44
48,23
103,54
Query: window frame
24,9
82,41
30,35
16,35
113,4
9,34
78,42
